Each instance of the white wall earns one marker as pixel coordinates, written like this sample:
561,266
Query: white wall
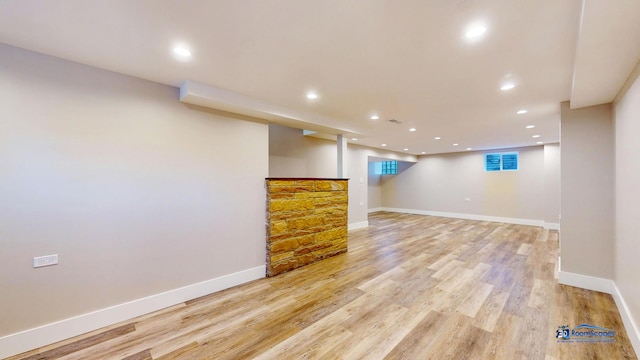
552,184
627,196
292,154
440,183
587,157
374,188
137,193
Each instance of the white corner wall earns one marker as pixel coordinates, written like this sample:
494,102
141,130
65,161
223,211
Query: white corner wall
627,203
146,201
587,158
552,186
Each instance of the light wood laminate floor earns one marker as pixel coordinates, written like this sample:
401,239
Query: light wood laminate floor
410,287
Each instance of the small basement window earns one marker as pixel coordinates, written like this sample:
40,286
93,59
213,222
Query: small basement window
386,168
501,162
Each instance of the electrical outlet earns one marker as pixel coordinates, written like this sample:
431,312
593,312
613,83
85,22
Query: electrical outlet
47,260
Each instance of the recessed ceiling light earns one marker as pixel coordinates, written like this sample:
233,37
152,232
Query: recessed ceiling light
456,144
375,117
354,139
437,137
540,142
412,129
508,86
406,149
424,152
181,51
530,126
383,145
312,95
520,112
535,136
475,31
468,148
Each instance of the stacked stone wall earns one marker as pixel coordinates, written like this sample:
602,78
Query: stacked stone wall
306,221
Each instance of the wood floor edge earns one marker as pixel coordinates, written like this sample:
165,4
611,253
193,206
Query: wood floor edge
33,338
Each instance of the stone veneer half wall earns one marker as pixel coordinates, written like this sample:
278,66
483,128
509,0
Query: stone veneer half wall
306,221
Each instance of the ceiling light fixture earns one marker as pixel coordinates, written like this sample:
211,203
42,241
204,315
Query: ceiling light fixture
540,142
530,126
437,137
424,152
406,149
354,139
412,129
508,86
535,136
520,112
181,51
383,145
312,95
375,117
475,31
456,144
468,148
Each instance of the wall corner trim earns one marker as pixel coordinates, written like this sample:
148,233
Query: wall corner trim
629,324
30,339
606,286
358,225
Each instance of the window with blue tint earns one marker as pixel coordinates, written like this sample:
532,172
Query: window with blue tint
386,168
510,161
501,162
492,162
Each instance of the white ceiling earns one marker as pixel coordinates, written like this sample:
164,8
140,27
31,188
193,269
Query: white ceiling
407,60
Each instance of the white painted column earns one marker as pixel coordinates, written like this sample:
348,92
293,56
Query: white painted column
341,142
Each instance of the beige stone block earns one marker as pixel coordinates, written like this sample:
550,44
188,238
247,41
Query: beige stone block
278,227
331,185
283,245
281,256
290,205
306,183
282,196
290,215
290,189
306,240
331,234
272,183
306,222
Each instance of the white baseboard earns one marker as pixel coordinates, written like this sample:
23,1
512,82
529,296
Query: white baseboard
586,282
30,339
609,287
358,225
629,324
507,220
552,226
372,210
